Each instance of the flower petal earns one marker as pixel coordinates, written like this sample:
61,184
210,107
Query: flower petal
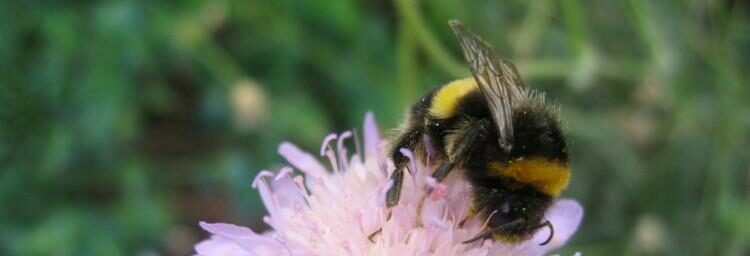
220,246
245,240
372,135
565,215
301,160
227,230
286,191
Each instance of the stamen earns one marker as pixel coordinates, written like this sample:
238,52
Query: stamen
412,164
488,219
342,150
384,191
327,143
284,172
357,146
429,150
440,191
260,176
437,222
332,158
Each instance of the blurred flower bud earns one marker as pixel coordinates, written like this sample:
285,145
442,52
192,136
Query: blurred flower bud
248,105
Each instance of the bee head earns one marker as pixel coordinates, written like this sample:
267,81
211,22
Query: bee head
516,214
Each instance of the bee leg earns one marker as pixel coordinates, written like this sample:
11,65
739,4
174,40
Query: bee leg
463,146
443,171
407,140
371,237
394,193
469,215
489,233
551,231
439,175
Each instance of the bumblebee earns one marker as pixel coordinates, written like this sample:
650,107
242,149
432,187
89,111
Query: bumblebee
503,135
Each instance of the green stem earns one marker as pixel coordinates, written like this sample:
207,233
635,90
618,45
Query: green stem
533,26
559,69
208,53
575,25
647,30
415,24
407,65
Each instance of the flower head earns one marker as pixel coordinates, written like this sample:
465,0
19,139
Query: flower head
342,211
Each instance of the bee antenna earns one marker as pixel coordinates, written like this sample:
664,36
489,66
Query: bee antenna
551,232
480,236
491,231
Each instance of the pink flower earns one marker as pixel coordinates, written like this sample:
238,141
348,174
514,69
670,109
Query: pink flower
334,212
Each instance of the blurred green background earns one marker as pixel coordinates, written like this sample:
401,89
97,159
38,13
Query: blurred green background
123,123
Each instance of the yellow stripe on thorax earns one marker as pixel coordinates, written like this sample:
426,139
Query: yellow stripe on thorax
445,102
548,176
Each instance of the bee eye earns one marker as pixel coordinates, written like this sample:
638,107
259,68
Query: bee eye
505,207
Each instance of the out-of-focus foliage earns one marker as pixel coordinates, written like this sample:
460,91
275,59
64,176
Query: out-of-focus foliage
123,123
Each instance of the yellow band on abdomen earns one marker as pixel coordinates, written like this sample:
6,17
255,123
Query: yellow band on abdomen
445,102
548,176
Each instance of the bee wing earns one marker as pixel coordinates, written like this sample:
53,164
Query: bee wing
498,80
